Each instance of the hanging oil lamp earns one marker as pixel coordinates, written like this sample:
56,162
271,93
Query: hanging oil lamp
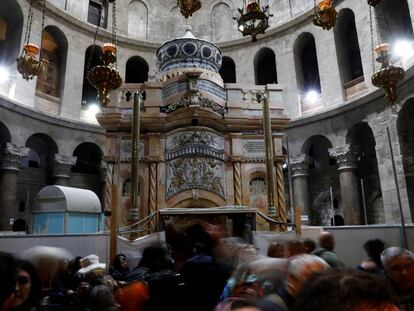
106,78
253,19
188,7
388,76
324,15
29,63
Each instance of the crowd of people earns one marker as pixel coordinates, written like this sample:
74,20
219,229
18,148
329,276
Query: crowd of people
221,274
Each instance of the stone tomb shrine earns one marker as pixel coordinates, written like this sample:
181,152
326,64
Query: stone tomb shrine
201,141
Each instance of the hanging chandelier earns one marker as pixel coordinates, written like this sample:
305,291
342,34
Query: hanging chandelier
253,19
325,14
106,78
29,63
188,7
388,76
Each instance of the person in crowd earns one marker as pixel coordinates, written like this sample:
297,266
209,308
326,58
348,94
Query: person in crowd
119,267
133,296
309,245
276,250
72,278
326,251
299,269
345,290
200,272
63,276
28,286
102,299
373,264
156,267
248,287
92,270
154,258
399,268
8,273
245,305
296,247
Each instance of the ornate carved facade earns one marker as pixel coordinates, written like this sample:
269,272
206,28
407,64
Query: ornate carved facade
201,143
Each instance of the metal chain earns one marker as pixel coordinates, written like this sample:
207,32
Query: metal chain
29,23
377,29
43,15
114,38
372,38
88,66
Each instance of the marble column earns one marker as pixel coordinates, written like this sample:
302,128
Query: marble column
299,166
62,165
152,188
10,159
238,193
280,190
351,203
106,172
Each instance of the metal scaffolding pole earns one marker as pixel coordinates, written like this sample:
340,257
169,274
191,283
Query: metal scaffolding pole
134,211
270,176
394,169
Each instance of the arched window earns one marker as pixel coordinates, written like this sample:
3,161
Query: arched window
98,12
228,70
89,158
265,67
137,20
136,70
42,151
394,21
11,26
222,21
306,64
92,59
323,177
258,186
405,127
347,47
317,149
362,140
126,188
5,136
54,50
3,29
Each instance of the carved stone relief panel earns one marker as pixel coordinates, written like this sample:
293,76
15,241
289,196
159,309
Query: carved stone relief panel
126,150
195,160
188,173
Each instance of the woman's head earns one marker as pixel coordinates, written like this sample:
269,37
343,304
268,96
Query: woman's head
156,258
28,285
120,263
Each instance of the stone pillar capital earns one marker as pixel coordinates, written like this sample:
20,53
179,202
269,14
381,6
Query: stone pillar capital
11,155
345,156
299,165
62,165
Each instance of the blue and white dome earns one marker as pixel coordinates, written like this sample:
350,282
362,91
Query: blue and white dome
188,52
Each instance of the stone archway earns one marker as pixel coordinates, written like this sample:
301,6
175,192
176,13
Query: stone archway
405,128
322,176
